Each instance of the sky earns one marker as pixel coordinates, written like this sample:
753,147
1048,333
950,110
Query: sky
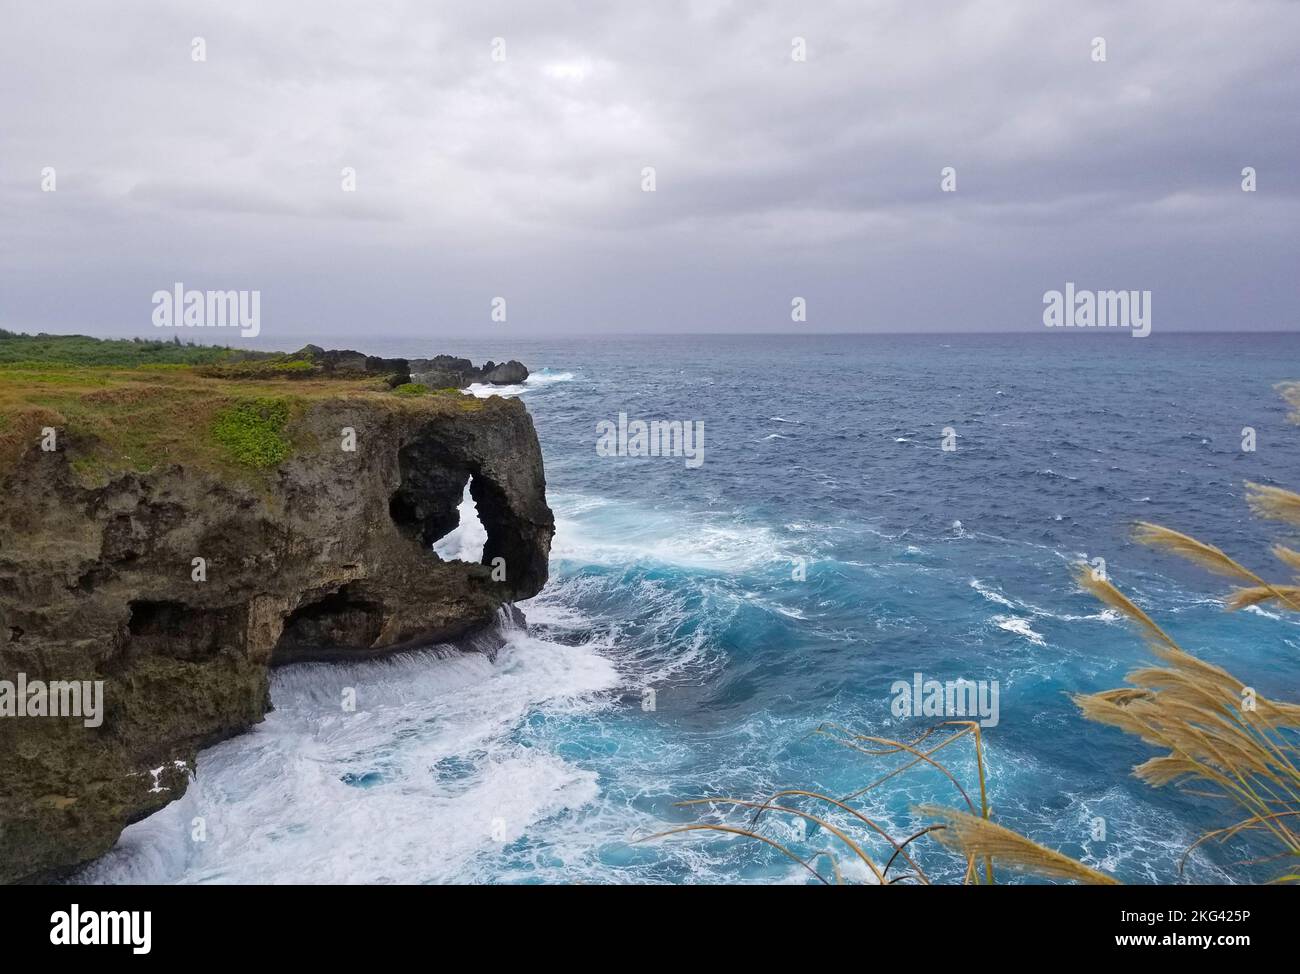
500,150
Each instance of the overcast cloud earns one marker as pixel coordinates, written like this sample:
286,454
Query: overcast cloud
522,178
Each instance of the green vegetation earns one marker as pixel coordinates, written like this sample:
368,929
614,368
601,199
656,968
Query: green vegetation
253,431
276,366
30,351
137,405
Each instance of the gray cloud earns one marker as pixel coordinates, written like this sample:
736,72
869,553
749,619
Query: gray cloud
522,178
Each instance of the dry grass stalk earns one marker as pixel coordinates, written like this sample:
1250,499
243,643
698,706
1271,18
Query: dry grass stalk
897,848
1107,593
1207,556
1242,598
1287,556
1215,730
1273,503
978,837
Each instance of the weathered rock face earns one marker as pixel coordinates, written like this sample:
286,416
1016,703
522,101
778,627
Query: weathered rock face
447,371
331,560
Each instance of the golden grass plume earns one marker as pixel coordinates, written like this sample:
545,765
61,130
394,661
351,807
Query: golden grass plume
1273,503
978,837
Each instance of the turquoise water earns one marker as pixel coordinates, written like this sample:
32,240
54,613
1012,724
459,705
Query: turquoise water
545,766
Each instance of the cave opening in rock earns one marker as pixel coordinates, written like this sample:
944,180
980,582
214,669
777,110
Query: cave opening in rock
343,619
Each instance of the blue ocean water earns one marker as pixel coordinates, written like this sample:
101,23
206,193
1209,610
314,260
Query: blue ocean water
547,766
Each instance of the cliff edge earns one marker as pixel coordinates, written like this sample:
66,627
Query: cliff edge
180,532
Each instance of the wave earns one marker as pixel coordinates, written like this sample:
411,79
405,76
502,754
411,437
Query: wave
547,376
1021,627
435,771
1052,474
707,548
991,594
619,534
1019,605
535,381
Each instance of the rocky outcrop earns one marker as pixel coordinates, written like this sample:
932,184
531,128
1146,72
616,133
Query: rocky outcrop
506,374
449,372
345,361
326,557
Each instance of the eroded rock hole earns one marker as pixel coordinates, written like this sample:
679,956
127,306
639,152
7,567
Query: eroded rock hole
424,506
436,504
430,500
341,620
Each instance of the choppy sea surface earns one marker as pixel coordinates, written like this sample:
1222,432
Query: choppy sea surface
549,763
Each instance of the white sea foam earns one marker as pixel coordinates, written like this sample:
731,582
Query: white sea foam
1021,627
465,541
430,776
991,594
535,380
621,534
1105,615
1256,610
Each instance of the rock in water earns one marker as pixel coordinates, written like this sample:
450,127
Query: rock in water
507,374
446,372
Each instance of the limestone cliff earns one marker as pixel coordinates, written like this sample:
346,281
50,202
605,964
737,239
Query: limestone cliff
324,554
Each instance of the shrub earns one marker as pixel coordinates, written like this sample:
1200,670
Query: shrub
253,430
412,389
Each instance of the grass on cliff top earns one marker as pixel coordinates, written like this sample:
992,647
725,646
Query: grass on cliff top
81,350
238,421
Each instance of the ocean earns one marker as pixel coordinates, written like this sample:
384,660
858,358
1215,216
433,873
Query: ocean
701,623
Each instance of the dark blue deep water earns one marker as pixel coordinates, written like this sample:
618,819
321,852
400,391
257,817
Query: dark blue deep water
545,765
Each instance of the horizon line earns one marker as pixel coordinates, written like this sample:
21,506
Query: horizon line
479,337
